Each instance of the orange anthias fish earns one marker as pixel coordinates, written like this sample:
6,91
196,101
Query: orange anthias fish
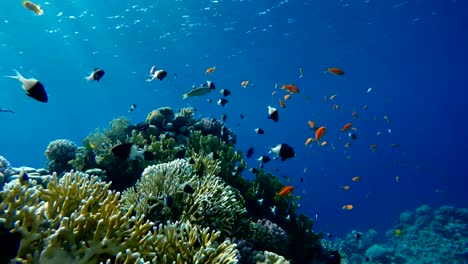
33,7
346,127
336,71
356,178
282,103
290,88
347,207
311,124
244,83
346,187
287,97
286,190
210,70
319,133
308,141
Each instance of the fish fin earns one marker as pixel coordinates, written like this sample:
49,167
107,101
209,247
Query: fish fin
185,96
18,76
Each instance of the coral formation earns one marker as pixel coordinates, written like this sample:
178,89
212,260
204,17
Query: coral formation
77,219
266,235
423,235
59,152
160,117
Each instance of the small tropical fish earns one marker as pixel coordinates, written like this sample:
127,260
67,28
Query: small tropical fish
244,84
225,92
336,107
347,207
273,114
223,117
373,147
282,103
34,88
387,118
352,136
201,90
398,232
336,71
346,187
259,131
332,97
319,133
301,72
263,159
308,141
96,75
250,152
347,145
33,7
284,151
287,97
323,144
397,179
346,127
222,102
156,74
311,124
260,201
291,88
365,107
369,90
356,178
6,110
286,190
131,152
210,70
273,93
132,107
354,114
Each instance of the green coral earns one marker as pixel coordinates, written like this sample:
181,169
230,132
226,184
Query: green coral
267,257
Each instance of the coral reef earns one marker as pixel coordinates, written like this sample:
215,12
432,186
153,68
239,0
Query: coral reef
59,153
181,206
423,235
77,219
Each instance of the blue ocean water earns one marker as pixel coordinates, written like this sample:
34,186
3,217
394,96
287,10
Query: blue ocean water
411,55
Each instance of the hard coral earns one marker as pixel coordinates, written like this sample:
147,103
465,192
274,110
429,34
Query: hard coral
267,235
59,152
160,117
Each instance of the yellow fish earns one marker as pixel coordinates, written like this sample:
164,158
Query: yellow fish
33,7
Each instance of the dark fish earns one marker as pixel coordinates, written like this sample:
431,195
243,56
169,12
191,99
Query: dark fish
273,114
161,74
264,159
357,235
34,88
352,136
200,170
142,126
169,201
242,117
225,92
224,117
253,170
23,177
188,189
96,75
209,100
329,235
284,151
259,131
222,102
132,107
302,179
131,152
250,152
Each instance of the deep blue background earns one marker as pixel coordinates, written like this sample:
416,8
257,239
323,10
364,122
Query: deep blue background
412,53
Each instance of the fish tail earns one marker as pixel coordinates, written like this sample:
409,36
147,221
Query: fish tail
18,76
185,96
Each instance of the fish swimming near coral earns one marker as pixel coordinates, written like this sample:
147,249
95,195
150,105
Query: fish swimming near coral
284,151
201,90
129,151
96,75
250,152
285,191
259,131
34,88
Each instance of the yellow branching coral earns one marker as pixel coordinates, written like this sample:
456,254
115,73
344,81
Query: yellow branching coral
214,204
74,220
182,242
